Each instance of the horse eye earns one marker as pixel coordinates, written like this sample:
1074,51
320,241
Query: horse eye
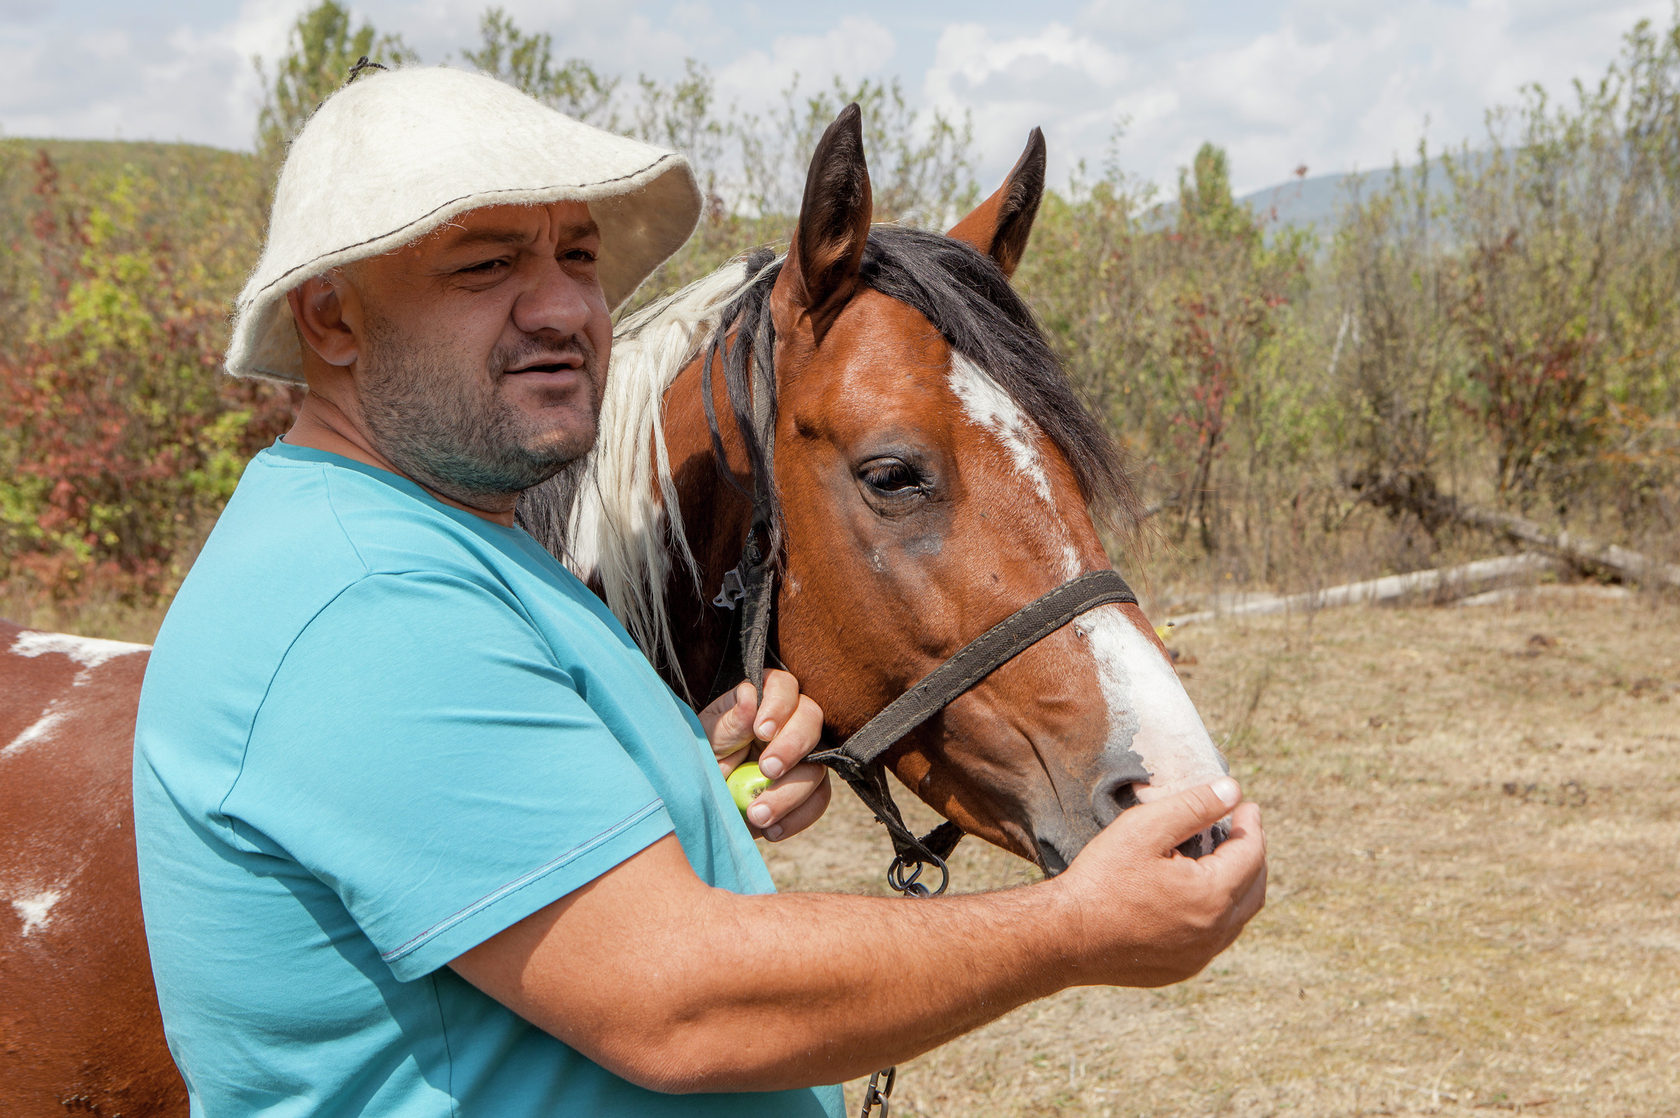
889,475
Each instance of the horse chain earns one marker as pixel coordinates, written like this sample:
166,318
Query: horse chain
904,877
877,1093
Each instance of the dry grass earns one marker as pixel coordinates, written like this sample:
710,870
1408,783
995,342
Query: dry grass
110,618
1474,823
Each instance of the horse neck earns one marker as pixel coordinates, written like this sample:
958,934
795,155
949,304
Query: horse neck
715,517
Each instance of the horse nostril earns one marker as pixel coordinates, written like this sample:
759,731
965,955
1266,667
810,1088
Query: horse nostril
1205,842
1113,796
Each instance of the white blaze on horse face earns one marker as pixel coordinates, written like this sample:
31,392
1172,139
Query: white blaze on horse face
991,408
1149,714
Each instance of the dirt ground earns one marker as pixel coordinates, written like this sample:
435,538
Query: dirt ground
1474,823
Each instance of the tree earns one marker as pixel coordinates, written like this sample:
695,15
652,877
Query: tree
320,52
920,169
119,440
526,61
1221,365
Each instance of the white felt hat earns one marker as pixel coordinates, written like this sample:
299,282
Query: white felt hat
396,154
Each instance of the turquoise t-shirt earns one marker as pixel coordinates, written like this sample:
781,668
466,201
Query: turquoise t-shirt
375,731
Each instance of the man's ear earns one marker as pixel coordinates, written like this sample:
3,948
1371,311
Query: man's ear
318,309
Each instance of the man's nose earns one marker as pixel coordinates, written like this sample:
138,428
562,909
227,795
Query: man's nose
557,299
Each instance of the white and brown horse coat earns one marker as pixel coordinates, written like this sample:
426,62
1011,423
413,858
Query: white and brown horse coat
79,1024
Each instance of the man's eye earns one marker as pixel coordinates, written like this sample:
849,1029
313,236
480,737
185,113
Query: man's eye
484,266
582,255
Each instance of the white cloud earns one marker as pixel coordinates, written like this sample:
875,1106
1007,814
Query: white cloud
1330,83
853,49
262,27
1058,78
1136,23
139,80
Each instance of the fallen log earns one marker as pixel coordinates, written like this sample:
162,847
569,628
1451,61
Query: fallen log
1442,582
1588,554
1417,494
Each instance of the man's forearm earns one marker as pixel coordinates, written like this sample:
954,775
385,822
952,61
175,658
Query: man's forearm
807,988
681,987
711,990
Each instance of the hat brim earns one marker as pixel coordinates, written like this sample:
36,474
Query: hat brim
429,145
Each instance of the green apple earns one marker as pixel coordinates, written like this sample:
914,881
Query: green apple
745,783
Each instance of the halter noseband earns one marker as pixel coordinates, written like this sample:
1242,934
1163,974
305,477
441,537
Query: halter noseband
749,589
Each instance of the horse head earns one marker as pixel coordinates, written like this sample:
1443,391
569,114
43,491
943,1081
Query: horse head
933,472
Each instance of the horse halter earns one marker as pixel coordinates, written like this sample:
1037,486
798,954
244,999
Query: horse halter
751,587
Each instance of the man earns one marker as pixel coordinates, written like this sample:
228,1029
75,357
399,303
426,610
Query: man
420,831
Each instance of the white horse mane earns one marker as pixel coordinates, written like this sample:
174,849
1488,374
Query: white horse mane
616,531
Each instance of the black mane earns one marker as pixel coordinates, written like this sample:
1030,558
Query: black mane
969,300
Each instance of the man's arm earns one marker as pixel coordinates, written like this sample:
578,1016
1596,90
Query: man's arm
680,987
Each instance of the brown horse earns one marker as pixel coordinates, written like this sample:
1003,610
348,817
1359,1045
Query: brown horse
928,471
933,471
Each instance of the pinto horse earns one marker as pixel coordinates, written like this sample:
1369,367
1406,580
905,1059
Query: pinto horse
930,470
919,468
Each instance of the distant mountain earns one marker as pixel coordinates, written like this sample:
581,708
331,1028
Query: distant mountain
1314,203
1317,202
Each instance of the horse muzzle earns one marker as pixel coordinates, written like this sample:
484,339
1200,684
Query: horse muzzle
1056,846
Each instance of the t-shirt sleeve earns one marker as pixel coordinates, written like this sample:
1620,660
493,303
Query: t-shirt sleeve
422,753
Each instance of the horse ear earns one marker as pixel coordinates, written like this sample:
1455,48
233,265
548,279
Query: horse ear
1000,225
821,272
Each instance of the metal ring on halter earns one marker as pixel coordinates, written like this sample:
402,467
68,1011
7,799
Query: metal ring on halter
905,876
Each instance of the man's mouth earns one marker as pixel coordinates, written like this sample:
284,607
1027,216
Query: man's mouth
569,363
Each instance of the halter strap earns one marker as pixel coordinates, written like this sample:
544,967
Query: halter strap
749,589
857,759
973,662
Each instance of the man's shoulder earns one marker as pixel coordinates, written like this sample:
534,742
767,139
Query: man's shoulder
297,535
302,527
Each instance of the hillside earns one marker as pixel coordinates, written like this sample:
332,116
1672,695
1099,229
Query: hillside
1318,202
193,186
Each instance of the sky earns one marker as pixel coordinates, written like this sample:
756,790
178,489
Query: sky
1332,85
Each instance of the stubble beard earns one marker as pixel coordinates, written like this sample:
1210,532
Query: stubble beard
456,435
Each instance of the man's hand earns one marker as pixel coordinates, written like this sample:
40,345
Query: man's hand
1149,915
778,733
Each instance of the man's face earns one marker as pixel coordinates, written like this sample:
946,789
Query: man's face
484,349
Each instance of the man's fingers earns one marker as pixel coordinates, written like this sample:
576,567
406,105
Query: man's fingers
1242,858
808,811
781,700
792,803
1254,898
798,733
1245,820
728,720
1167,823
739,717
